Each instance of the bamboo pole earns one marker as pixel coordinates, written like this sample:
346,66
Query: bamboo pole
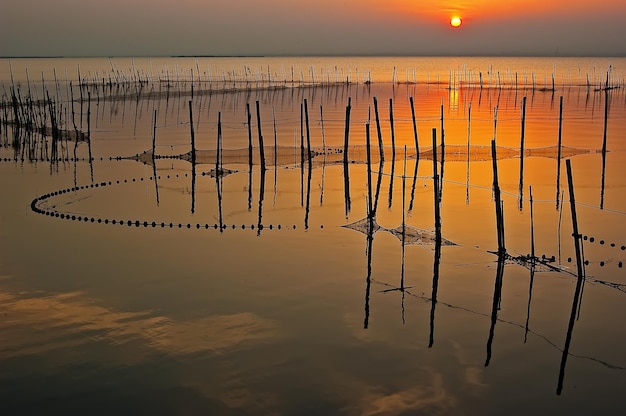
193,138
347,131
369,172
521,154
261,147
308,131
249,118
558,158
393,134
380,134
154,169
436,189
498,202
417,152
604,135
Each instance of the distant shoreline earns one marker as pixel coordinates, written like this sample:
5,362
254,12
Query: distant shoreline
308,56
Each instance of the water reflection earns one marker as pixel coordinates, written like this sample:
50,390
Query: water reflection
75,320
227,200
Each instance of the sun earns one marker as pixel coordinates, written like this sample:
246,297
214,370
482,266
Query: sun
455,21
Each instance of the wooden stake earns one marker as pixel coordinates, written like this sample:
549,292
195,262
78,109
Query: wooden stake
558,158
261,147
393,135
193,139
498,201
380,134
417,152
436,189
521,154
308,131
347,131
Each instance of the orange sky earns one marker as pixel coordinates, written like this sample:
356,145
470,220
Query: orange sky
321,27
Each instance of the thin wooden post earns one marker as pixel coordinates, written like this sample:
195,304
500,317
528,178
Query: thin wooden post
498,201
417,152
89,133
193,138
154,127
218,166
558,158
261,147
346,172
532,227
347,132
369,172
308,132
576,235
606,119
380,134
249,116
436,189
443,143
521,154
393,134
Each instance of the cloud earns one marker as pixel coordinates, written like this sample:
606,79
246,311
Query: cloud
71,319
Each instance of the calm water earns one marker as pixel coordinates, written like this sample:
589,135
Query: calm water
150,286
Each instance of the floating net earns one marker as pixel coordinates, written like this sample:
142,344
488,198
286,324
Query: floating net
408,234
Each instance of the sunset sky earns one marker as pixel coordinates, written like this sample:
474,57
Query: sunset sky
312,27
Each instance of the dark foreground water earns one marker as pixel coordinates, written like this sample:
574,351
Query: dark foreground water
132,285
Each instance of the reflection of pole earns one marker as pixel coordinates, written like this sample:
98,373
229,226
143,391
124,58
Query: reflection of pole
437,257
579,282
261,197
370,226
193,160
275,154
497,296
218,169
89,133
532,261
403,231
154,169
308,196
368,279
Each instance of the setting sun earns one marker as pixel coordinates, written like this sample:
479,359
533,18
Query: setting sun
455,21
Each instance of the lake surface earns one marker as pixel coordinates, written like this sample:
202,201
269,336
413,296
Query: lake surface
133,280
